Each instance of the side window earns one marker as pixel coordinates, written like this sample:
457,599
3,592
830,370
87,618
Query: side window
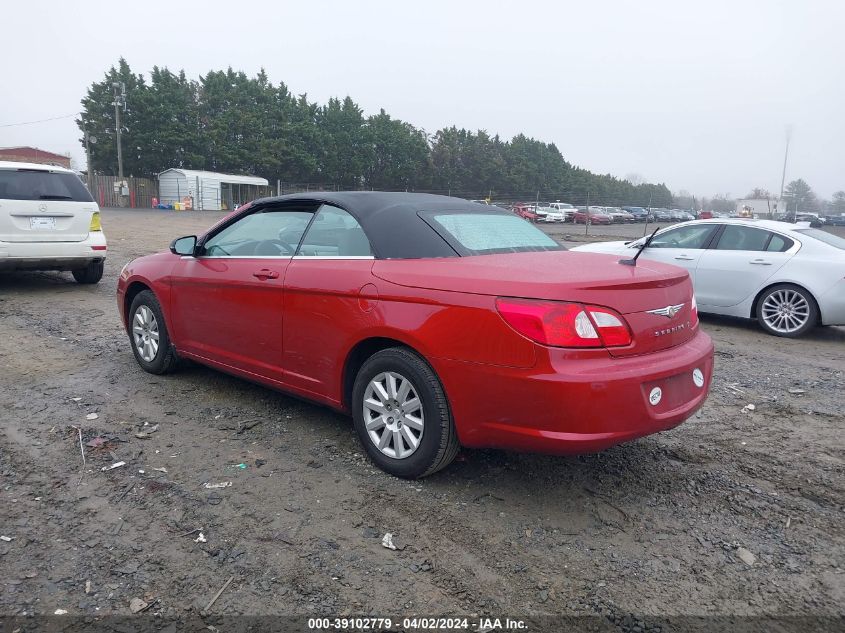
779,244
335,233
743,238
694,236
262,234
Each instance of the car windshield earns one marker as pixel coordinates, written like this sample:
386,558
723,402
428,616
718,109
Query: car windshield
38,184
824,236
487,233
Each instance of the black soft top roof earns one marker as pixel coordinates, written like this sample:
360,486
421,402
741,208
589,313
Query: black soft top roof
392,220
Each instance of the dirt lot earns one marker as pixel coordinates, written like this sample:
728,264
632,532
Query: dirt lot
656,527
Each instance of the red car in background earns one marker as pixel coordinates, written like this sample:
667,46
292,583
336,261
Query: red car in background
593,217
433,321
525,211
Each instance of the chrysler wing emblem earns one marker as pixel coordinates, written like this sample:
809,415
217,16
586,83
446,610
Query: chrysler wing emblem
668,311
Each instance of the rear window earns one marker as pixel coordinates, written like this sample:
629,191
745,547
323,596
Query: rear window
36,184
483,233
824,236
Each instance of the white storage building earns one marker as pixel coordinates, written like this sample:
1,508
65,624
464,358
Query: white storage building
209,191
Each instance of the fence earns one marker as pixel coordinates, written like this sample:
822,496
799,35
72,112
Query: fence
141,191
576,198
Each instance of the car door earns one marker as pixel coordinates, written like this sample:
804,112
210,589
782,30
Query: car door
739,263
226,302
681,246
328,300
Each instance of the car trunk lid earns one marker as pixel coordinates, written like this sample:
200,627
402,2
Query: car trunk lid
636,292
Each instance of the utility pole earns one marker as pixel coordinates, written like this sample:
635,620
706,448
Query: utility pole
88,168
119,102
587,211
785,155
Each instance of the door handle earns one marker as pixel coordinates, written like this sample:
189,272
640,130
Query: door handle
760,262
265,273
685,258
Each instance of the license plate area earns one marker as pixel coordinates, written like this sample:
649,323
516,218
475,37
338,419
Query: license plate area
42,224
672,392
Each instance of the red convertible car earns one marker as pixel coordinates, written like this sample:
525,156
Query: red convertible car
435,322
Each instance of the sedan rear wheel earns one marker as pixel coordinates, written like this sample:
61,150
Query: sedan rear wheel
393,414
148,335
787,310
401,414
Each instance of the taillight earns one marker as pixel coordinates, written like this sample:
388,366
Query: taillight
563,324
693,311
95,222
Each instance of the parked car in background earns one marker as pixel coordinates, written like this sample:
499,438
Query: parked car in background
789,277
661,215
525,211
592,217
432,321
835,220
814,220
619,216
553,215
49,221
567,209
541,209
640,214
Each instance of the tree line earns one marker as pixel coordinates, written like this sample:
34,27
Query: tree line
228,122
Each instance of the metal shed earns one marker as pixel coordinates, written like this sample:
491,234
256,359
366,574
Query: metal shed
208,190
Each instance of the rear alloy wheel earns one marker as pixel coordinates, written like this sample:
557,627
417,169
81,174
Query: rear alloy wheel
91,274
148,335
787,310
401,414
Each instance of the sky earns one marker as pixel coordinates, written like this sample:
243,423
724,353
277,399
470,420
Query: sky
698,95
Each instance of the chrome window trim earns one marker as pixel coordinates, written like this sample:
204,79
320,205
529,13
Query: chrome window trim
334,257
236,257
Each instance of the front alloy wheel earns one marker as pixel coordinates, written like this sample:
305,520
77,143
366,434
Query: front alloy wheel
787,310
148,335
145,332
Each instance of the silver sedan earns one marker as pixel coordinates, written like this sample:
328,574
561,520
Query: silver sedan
790,277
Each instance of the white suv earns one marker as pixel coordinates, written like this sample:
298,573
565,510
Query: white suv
49,221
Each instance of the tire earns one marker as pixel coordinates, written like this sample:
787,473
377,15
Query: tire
787,310
160,359
437,443
91,274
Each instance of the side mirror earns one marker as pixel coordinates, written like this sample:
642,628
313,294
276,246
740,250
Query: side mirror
184,245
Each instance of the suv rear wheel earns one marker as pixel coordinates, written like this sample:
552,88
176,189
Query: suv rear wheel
91,274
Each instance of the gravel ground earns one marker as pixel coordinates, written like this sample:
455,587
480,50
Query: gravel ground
738,511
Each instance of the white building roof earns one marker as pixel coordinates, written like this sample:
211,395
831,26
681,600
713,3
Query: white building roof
210,175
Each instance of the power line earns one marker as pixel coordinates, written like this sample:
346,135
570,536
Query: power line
55,118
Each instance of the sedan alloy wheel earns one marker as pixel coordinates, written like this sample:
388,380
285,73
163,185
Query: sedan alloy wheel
145,333
787,310
148,335
393,414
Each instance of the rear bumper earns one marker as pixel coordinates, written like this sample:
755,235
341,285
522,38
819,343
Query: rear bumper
576,402
53,255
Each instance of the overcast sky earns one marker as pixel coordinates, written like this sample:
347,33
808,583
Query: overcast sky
696,95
